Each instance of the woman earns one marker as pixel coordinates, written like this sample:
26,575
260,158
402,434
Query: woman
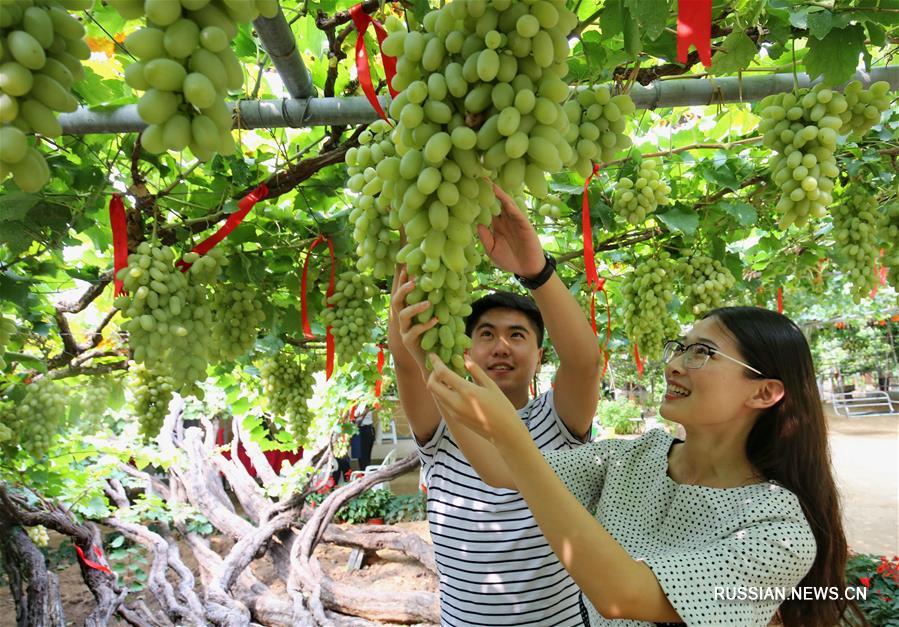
706,531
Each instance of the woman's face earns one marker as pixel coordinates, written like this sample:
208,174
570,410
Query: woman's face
716,393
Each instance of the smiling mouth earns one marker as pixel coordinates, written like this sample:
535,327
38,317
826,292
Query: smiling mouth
676,391
502,368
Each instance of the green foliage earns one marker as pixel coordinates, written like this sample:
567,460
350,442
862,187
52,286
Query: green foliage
622,416
370,504
880,575
406,508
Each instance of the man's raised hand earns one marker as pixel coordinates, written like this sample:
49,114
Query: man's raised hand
511,241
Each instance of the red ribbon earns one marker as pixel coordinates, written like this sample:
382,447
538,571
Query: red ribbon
380,380
362,19
780,300
307,329
92,564
694,26
880,276
589,257
243,208
593,280
637,359
119,238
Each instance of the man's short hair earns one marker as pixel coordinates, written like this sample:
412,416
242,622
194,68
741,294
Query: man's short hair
505,300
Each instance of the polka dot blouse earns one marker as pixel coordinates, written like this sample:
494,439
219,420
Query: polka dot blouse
704,545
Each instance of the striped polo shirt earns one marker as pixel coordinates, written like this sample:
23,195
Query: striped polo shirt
493,564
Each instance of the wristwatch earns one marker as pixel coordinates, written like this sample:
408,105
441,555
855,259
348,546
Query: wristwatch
544,275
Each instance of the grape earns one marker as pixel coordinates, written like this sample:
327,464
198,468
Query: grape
596,127
287,382
34,420
636,198
370,170
803,129
856,226
151,393
38,536
169,312
237,314
186,68
350,314
41,49
94,401
7,330
647,291
551,208
705,281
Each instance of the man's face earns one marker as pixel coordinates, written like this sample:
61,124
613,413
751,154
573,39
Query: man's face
504,345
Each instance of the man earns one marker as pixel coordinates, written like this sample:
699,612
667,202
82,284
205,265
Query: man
494,566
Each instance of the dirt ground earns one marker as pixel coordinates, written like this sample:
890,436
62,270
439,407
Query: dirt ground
390,571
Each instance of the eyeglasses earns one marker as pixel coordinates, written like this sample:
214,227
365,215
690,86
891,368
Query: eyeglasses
696,355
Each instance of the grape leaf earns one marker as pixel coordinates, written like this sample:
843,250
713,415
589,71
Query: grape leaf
835,57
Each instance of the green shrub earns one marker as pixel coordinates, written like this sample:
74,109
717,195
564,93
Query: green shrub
880,576
406,508
621,416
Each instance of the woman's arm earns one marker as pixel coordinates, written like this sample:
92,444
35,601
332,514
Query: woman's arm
482,456
617,585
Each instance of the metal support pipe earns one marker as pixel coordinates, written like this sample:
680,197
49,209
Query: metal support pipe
297,113
280,44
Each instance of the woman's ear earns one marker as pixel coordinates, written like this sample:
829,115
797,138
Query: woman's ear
767,394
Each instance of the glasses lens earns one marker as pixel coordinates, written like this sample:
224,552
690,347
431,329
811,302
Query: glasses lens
696,356
670,350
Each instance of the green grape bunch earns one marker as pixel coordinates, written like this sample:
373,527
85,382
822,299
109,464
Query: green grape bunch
185,66
373,168
596,127
169,312
287,383
237,316
151,393
706,282
33,421
38,536
803,129
94,400
638,197
350,313
7,330
41,50
480,95
647,291
856,230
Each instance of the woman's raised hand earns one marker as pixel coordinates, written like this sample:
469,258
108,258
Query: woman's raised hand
481,406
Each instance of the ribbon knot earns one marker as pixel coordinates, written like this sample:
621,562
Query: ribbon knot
361,20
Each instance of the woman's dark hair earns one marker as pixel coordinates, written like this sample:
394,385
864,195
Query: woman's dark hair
788,444
505,300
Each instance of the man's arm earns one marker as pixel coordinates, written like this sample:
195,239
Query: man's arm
419,406
512,245
580,360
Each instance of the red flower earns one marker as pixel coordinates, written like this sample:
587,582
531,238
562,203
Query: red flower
865,581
